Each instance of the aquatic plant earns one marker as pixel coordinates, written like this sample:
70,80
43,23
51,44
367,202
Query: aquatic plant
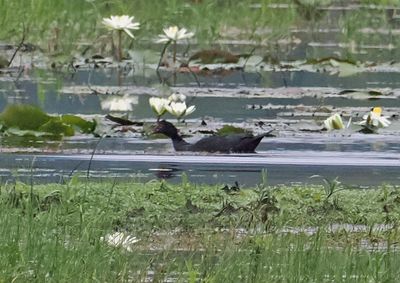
79,231
179,109
172,35
29,120
374,120
330,186
175,105
176,97
158,105
121,23
334,122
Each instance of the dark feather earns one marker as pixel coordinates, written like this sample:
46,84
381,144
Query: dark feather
239,143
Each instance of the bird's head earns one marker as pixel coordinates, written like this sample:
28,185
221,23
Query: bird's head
166,128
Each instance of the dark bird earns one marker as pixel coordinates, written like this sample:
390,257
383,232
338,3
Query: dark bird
239,143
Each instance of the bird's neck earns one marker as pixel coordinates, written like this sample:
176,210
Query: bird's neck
179,143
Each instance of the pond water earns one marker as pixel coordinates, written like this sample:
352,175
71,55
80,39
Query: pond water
293,100
286,161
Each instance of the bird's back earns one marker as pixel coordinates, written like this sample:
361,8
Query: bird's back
232,143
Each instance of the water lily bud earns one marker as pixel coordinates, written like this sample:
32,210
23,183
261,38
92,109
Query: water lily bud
334,122
176,97
158,105
179,109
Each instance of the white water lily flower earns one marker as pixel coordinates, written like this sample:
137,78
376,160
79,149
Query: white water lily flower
179,109
123,22
120,239
374,119
173,33
159,105
176,97
334,122
190,110
118,103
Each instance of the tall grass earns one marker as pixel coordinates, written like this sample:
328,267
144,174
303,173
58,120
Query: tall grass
69,22
300,258
60,26
52,233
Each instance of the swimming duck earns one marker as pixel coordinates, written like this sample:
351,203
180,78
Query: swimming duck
238,143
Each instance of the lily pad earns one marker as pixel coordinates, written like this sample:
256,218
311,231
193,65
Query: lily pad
363,94
56,127
229,129
347,70
84,126
29,120
23,117
334,61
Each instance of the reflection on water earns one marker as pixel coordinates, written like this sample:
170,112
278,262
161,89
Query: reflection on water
371,161
283,167
49,98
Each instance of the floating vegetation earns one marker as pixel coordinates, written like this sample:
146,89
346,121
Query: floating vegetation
229,129
28,120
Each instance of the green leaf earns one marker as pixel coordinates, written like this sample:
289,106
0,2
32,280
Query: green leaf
228,129
83,125
24,117
56,127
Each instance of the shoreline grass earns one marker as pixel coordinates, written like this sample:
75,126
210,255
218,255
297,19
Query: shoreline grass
60,28
188,232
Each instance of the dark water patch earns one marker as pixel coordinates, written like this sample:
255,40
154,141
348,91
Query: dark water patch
282,167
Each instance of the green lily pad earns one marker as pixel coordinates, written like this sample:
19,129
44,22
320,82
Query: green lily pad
29,120
228,129
23,117
83,125
56,127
